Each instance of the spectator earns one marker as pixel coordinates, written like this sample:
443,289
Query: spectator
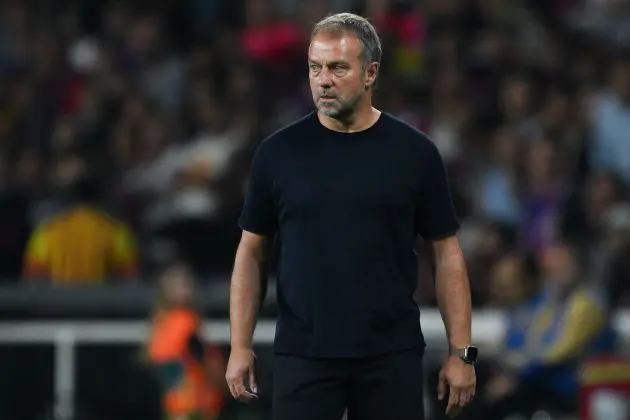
163,104
611,123
191,374
569,321
498,198
82,244
511,292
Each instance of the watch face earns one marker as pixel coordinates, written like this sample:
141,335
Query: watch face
471,354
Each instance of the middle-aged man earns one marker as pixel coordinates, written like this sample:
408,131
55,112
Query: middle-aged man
347,190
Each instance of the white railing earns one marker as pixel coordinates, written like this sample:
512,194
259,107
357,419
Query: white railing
488,328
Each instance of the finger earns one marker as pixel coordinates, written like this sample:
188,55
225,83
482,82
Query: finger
237,386
471,395
453,400
252,381
231,387
233,390
246,397
441,389
454,412
464,399
239,389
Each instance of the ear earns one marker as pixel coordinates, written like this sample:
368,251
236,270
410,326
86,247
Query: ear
371,73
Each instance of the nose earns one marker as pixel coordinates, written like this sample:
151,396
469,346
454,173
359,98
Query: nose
324,79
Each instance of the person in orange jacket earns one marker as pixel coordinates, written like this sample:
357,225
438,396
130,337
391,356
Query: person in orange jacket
191,373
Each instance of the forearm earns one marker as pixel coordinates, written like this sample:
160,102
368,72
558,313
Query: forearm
246,294
453,295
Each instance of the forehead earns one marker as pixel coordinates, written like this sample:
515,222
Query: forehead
334,47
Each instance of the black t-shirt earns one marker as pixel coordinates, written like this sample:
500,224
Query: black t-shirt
347,208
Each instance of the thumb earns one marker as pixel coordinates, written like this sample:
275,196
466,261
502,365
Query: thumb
441,388
252,380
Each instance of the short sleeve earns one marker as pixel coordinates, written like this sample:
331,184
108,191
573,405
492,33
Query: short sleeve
435,212
37,255
124,252
259,211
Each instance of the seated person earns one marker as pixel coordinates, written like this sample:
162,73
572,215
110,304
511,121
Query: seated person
509,290
538,368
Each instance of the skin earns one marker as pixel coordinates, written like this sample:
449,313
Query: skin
246,288
178,287
454,302
342,84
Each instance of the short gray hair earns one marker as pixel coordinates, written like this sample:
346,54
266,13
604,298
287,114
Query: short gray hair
349,22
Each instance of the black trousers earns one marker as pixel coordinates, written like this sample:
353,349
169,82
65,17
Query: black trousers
376,388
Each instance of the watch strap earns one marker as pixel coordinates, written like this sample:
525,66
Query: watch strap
462,353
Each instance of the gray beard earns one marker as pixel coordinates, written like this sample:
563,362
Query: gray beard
344,110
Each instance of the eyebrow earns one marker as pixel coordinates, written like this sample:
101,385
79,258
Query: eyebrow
330,64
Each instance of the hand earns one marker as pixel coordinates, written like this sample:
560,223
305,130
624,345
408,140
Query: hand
459,379
240,366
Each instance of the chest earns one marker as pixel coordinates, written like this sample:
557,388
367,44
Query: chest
367,178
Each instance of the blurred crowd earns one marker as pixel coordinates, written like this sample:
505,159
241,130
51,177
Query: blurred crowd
132,126
127,129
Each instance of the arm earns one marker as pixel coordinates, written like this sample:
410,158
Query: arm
437,223
248,287
452,290
36,256
258,221
123,259
249,280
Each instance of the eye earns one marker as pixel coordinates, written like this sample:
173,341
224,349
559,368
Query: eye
339,69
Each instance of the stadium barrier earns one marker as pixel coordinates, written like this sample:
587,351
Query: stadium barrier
488,328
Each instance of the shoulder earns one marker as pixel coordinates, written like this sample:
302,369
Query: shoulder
102,218
410,137
185,319
51,223
590,295
123,237
287,134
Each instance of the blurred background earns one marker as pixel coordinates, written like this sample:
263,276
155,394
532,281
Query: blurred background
126,133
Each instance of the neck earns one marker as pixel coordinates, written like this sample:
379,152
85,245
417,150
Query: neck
363,117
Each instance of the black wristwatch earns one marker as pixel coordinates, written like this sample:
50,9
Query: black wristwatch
468,354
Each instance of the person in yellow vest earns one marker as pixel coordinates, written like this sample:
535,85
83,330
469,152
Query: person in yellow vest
191,373
82,244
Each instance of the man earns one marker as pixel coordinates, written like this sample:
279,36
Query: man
347,190
81,245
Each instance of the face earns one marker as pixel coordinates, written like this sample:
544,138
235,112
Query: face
559,266
178,286
504,146
506,285
338,78
600,193
540,160
516,95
